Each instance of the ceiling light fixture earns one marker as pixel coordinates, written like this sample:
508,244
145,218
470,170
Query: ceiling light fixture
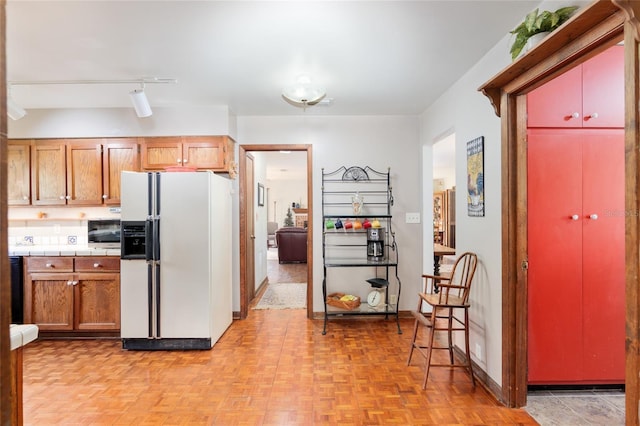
14,111
138,97
141,103
303,94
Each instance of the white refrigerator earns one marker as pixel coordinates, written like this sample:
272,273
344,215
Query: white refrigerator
175,268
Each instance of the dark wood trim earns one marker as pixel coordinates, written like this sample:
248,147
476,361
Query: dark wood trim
7,403
593,29
632,221
244,303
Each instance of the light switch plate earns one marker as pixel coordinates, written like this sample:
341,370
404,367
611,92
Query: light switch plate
412,217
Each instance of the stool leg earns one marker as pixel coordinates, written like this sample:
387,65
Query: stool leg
466,342
430,349
413,341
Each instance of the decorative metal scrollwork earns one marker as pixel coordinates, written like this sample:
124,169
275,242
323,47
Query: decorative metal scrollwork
355,173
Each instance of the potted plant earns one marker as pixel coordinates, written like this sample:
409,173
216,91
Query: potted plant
536,23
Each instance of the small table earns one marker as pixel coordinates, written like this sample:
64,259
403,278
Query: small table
438,251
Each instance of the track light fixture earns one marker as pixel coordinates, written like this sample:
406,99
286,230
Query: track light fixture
138,96
14,111
141,103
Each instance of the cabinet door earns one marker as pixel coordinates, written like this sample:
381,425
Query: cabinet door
49,301
555,103
48,177
117,155
97,302
603,255
603,89
159,153
84,172
18,168
205,152
554,196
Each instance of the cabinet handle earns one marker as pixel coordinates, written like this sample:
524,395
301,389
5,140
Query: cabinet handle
24,197
96,265
178,160
593,216
70,283
49,265
575,115
68,197
62,197
104,196
594,115
185,161
575,217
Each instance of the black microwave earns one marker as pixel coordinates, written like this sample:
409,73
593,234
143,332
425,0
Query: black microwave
103,233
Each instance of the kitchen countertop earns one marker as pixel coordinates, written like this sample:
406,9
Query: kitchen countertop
61,251
21,334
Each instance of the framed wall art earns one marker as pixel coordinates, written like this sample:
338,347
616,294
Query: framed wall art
475,177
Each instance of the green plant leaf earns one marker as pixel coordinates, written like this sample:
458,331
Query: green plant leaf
535,23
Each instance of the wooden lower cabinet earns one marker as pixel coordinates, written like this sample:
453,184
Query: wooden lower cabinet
73,294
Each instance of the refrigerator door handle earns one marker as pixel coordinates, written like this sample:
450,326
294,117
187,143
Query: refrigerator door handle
150,298
156,239
149,234
157,302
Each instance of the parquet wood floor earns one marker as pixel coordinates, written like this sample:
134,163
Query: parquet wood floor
274,368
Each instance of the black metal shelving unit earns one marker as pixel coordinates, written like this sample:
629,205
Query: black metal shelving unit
347,247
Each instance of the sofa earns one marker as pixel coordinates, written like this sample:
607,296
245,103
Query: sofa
292,244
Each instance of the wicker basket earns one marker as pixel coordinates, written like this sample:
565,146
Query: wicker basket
334,300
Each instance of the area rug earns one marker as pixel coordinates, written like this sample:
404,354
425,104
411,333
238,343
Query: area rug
284,296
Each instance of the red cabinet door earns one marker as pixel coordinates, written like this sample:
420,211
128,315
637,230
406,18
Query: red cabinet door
557,103
589,95
555,257
603,89
603,250
576,275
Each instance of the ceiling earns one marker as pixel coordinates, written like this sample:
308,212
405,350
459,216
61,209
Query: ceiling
373,57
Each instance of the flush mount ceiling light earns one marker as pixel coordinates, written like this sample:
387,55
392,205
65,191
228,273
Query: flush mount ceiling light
140,103
303,94
138,97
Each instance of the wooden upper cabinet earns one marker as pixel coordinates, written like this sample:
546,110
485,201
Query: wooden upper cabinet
48,172
117,155
589,95
201,152
161,152
18,167
84,172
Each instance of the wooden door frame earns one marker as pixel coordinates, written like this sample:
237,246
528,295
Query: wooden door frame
7,403
592,30
242,150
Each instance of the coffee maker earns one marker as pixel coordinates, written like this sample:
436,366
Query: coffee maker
375,244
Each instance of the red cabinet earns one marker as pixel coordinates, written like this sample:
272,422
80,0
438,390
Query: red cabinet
576,275
590,95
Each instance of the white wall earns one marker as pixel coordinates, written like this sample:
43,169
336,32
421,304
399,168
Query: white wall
283,193
378,142
470,114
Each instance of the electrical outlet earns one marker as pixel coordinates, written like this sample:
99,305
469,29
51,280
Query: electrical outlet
478,352
412,217
393,298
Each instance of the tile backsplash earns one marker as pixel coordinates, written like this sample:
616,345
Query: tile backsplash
61,226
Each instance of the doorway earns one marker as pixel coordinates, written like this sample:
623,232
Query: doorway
245,210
